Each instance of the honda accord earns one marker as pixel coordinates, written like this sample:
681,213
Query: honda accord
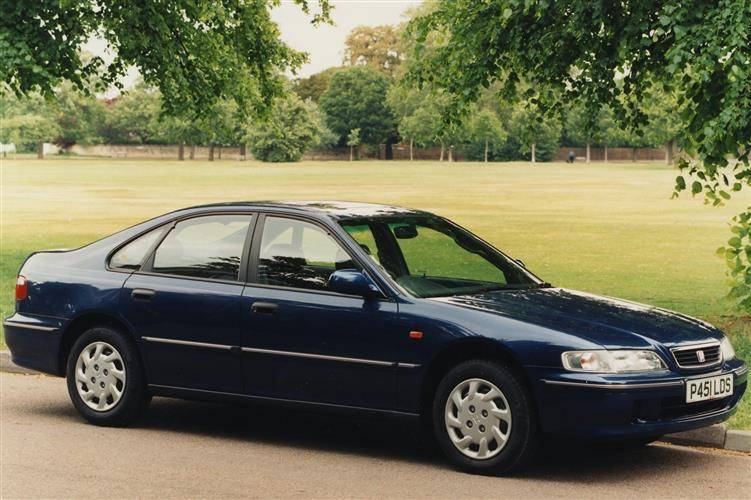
363,308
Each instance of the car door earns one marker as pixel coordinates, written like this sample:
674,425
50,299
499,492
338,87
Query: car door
304,342
186,305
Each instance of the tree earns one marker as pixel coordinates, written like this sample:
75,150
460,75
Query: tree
196,53
601,51
292,129
221,126
379,47
79,116
538,135
424,127
353,140
29,131
663,125
132,116
315,85
356,98
485,128
28,123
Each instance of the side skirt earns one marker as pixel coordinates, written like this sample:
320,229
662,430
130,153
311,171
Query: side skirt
216,396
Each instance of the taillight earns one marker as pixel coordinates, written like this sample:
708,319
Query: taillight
22,288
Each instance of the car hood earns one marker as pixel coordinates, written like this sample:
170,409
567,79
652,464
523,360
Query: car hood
606,321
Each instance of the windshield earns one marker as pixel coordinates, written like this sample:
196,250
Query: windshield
431,257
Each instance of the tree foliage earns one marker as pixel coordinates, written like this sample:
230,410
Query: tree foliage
196,53
293,128
612,54
80,117
315,85
485,133
379,47
356,98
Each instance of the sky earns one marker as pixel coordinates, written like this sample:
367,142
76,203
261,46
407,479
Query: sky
324,43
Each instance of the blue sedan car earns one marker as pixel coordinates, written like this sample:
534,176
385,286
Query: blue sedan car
364,308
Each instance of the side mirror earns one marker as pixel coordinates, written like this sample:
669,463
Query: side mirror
352,282
521,263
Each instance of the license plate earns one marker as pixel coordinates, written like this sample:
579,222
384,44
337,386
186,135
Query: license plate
703,389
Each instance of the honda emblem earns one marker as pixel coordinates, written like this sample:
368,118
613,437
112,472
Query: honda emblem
700,356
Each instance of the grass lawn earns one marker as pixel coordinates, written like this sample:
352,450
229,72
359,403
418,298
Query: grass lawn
608,229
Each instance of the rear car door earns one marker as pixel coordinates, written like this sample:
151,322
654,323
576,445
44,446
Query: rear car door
185,303
304,342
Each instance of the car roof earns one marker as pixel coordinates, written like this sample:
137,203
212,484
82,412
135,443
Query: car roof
334,209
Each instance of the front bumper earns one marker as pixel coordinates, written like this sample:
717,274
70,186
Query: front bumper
605,406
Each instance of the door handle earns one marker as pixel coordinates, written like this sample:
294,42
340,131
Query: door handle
264,307
142,294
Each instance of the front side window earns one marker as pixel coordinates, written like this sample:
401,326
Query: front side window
209,247
132,255
431,257
299,254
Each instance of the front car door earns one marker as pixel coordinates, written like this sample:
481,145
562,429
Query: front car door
304,342
186,303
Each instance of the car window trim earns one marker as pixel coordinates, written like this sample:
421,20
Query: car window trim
147,267
256,251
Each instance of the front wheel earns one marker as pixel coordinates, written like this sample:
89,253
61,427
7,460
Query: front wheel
105,377
483,418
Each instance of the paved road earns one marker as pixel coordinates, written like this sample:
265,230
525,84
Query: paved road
183,449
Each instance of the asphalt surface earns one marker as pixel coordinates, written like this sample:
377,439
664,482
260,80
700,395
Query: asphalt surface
185,449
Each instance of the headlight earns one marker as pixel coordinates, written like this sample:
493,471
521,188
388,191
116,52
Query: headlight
726,348
625,361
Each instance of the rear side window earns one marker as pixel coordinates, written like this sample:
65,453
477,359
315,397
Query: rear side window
208,247
132,255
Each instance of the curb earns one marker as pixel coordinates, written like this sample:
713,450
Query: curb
714,436
7,365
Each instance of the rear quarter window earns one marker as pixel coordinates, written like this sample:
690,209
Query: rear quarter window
132,255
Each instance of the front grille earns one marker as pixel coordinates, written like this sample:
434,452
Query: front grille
697,356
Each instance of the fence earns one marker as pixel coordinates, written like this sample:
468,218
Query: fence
158,151
613,154
398,152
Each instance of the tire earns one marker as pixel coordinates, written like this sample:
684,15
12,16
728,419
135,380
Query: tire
511,412
119,381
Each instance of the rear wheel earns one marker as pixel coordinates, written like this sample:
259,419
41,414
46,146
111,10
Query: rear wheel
105,377
483,418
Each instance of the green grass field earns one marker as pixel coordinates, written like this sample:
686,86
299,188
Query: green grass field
607,229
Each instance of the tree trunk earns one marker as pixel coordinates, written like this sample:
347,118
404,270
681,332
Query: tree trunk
351,153
486,150
40,149
534,146
242,152
192,154
211,152
633,155
588,156
442,148
606,153
451,154
181,151
219,149
669,152
411,156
